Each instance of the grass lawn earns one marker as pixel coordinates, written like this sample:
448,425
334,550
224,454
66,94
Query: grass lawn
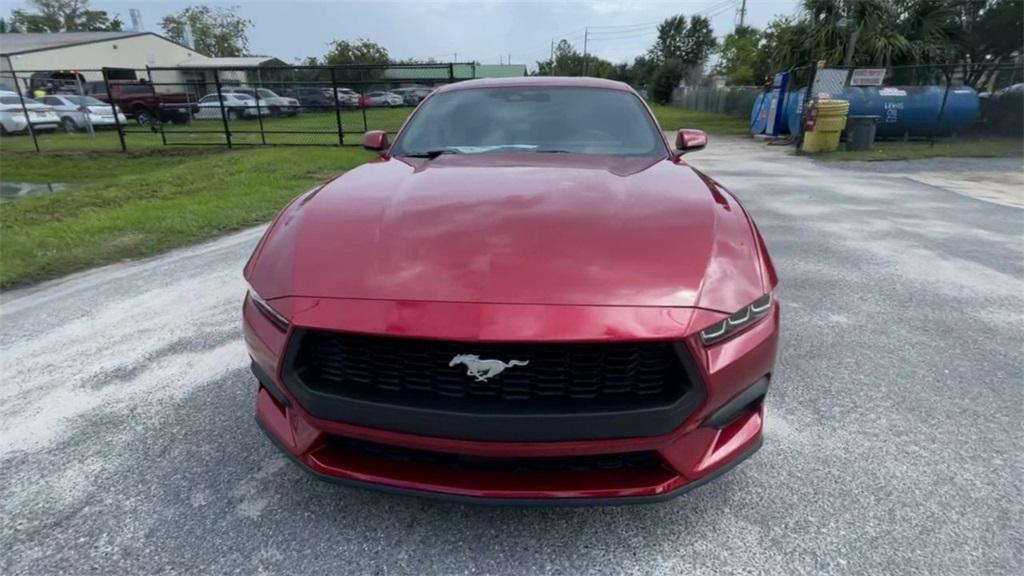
154,197
960,147
127,206
672,118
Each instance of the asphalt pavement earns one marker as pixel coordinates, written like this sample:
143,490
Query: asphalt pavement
894,442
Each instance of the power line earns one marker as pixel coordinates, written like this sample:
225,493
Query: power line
636,34
717,8
635,25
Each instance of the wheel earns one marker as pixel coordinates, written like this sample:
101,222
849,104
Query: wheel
234,115
145,118
181,119
68,124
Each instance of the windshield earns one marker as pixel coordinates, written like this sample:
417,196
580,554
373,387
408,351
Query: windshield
85,101
267,93
16,100
529,119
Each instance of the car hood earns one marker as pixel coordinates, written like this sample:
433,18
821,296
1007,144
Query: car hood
515,228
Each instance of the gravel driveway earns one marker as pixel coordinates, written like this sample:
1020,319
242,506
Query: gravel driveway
894,442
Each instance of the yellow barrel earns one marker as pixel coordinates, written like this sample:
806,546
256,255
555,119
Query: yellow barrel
828,126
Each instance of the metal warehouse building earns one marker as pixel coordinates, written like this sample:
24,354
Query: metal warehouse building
128,53
89,51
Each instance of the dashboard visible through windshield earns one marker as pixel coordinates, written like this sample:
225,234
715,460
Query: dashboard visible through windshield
543,120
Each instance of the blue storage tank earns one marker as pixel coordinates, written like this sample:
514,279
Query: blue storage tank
903,110
915,110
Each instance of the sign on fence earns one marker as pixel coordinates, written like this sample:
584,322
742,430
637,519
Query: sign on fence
867,77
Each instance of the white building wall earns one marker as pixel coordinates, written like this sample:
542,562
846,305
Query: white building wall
135,52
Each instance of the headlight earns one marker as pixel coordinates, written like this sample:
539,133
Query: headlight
274,316
739,321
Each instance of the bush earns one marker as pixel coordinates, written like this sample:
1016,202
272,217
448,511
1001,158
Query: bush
666,77
1002,114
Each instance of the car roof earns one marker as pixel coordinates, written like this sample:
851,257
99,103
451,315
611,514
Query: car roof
538,81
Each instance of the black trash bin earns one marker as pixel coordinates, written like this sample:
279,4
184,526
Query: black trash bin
860,132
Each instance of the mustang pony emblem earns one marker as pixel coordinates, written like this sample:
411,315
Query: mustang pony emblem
484,370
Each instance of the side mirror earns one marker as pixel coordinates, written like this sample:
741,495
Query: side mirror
376,140
690,140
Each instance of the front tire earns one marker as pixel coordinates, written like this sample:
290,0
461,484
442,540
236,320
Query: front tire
145,118
68,124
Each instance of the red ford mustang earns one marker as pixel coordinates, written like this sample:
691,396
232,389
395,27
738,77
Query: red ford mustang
530,296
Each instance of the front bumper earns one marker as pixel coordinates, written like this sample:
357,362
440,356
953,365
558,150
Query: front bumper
106,120
702,447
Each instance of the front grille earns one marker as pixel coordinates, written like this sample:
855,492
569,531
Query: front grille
647,460
558,376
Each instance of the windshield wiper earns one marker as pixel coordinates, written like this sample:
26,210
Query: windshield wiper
551,151
431,154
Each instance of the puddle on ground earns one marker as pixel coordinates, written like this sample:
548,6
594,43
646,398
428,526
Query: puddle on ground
14,190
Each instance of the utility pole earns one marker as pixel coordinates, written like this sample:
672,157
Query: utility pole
455,56
509,61
552,59
743,13
586,34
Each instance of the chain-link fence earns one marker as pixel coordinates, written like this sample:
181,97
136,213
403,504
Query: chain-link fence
197,105
732,100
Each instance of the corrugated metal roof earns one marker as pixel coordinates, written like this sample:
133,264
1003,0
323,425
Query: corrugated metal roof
11,44
500,70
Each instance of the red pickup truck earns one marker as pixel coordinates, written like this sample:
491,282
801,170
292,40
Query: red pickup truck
139,100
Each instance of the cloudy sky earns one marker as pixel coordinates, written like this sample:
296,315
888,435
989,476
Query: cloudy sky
485,31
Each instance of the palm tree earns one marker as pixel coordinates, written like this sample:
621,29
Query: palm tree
884,32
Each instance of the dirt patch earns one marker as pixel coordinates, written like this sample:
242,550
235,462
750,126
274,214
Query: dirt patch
1005,188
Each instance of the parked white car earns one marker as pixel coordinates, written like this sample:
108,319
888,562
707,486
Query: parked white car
383,99
413,95
347,97
278,105
77,112
235,106
12,117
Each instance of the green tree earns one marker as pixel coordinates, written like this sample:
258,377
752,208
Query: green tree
783,44
666,78
989,33
362,51
883,32
61,16
680,51
698,42
690,42
740,59
670,43
642,71
215,31
570,62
